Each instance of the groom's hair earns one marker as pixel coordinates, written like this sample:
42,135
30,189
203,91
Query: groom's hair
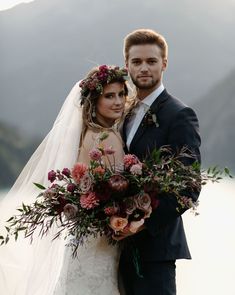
142,37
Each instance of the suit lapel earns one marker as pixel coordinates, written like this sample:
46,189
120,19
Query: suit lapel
155,108
124,135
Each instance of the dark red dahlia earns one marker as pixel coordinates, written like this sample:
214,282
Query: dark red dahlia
118,183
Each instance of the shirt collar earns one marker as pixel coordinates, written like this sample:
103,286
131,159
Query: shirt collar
148,100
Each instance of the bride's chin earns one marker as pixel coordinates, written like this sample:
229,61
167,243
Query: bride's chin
107,122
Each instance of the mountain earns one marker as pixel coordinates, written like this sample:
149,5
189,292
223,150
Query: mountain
46,46
216,112
15,150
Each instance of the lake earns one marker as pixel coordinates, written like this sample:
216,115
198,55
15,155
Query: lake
211,238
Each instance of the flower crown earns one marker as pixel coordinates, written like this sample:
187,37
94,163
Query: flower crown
105,75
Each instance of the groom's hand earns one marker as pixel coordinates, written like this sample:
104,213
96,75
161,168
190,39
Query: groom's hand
126,233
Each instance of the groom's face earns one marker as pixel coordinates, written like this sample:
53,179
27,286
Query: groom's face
145,65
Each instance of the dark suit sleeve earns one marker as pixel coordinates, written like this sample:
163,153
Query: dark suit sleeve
183,131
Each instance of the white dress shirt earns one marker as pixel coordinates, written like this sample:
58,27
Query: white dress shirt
141,108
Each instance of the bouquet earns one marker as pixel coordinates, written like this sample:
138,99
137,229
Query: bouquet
103,198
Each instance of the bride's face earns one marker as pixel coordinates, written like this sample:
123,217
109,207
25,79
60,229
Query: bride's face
110,105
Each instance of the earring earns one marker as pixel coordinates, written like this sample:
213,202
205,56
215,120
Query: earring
93,113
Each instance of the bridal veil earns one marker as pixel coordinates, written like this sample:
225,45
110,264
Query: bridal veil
33,269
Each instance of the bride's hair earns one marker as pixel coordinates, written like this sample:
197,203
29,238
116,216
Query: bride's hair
89,97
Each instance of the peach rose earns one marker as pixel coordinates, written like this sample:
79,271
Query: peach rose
118,223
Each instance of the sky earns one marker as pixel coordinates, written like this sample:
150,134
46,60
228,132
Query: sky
6,4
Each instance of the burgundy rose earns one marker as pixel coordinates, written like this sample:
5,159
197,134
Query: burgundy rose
52,176
103,68
66,172
59,207
71,187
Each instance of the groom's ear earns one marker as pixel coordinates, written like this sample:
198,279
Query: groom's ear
164,64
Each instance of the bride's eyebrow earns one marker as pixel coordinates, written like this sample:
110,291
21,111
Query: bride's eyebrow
109,93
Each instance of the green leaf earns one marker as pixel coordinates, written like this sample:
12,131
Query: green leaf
16,236
7,239
226,170
21,228
7,228
39,185
10,219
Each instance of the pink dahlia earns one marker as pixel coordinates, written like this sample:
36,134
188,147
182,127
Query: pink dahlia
130,160
136,169
78,171
89,201
95,154
99,170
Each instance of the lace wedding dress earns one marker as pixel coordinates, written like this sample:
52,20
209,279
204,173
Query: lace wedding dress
95,270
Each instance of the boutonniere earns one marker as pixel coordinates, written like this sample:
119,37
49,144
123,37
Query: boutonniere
150,118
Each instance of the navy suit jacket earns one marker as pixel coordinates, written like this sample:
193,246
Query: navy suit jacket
164,237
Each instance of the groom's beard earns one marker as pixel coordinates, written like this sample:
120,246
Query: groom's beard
151,84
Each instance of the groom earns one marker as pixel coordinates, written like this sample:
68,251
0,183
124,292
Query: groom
157,119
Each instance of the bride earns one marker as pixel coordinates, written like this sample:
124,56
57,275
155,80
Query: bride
44,267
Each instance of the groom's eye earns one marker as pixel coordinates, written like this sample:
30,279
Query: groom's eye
152,61
136,62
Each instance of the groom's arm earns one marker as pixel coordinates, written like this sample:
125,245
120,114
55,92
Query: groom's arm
183,131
